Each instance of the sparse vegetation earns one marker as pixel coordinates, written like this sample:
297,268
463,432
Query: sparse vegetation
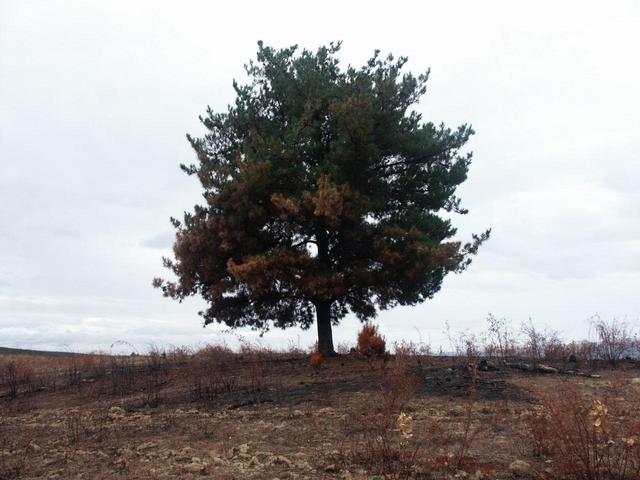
256,412
585,436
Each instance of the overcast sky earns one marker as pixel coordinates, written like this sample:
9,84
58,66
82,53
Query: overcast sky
96,98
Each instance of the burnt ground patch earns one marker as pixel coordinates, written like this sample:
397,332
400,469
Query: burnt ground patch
459,381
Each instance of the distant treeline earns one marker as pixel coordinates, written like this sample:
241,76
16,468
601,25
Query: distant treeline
21,351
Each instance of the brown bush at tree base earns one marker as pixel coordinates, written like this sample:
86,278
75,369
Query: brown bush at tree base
370,342
316,359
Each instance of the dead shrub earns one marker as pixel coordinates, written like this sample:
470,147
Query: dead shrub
397,387
453,445
615,339
178,355
294,349
74,427
257,372
74,374
462,442
11,465
541,344
342,348
418,354
157,377
382,439
94,365
465,346
122,375
501,341
554,348
370,342
412,350
586,437
10,378
18,377
390,443
211,373
384,446
316,359
98,428
583,350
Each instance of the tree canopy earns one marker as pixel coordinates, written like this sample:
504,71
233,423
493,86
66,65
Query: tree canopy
325,193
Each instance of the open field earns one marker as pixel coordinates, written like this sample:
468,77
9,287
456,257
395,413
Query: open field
259,414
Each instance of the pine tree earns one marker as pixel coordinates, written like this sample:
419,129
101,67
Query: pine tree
324,195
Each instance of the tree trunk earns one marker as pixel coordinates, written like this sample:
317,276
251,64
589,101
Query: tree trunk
323,307
325,336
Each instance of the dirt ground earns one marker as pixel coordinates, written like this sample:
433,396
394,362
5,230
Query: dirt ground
277,417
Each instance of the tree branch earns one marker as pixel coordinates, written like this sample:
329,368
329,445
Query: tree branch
417,160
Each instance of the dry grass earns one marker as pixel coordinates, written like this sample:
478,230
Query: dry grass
587,435
258,413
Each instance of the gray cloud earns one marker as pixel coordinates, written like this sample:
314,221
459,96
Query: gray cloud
96,98
163,241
